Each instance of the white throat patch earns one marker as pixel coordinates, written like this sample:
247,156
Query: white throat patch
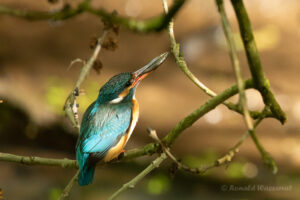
116,100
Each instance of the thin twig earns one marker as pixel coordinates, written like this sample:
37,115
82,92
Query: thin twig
131,184
70,106
266,157
153,135
78,60
235,148
194,170
246,134
180,60
66,191
227,157
235,64
86,68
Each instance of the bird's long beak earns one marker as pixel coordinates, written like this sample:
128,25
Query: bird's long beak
147,69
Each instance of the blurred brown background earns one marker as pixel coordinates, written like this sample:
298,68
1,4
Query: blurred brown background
34,83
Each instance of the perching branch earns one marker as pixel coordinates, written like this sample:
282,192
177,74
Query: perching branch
260,81
152,24
32,160
131,184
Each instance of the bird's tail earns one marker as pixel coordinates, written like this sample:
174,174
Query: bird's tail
86,169
86,175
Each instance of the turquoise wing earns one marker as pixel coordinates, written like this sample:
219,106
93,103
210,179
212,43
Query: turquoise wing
103,126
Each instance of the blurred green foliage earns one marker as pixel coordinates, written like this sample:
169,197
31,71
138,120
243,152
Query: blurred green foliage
267,37
56,93
206,157
235,170
57,90
91,92
158,184
54,193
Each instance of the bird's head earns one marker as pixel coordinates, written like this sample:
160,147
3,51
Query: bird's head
122,87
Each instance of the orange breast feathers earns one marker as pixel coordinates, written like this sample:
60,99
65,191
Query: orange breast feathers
116,150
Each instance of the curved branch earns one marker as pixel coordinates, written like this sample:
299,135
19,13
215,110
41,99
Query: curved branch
152,24
259,78
181,63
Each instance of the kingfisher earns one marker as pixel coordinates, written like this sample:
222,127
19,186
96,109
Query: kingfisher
108,122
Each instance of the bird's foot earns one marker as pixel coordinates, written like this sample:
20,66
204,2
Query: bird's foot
121,155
